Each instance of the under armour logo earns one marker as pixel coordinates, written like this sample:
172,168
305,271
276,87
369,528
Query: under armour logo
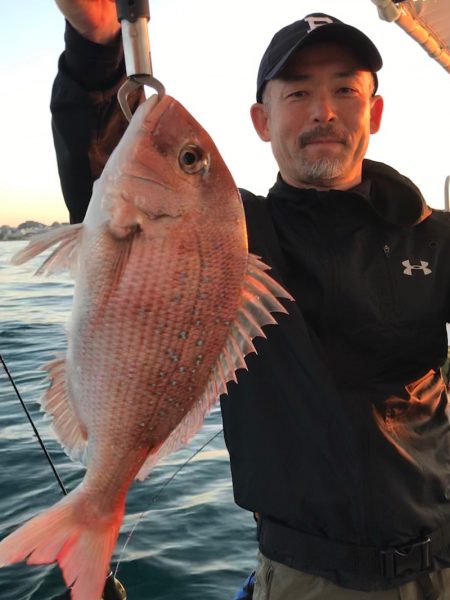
409,268
315,22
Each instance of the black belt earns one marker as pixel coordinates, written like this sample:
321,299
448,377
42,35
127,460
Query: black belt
301,550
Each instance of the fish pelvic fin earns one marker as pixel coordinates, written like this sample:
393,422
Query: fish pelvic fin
82,546
259,299
70,431
63,257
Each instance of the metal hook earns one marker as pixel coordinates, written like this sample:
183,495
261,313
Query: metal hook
134,17
131,84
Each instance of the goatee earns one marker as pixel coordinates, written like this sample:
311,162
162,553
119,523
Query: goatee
322,169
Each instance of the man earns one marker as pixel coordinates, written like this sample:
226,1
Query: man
338,432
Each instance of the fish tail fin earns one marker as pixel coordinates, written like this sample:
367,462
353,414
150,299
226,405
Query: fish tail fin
65,533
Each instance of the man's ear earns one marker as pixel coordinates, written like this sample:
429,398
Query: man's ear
376,112
258,113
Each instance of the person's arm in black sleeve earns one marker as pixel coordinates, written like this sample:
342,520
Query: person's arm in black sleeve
87,121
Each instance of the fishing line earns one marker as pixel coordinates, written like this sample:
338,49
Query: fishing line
55,472
36,432
110,591
158,494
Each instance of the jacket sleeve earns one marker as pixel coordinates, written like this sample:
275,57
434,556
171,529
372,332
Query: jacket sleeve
87,121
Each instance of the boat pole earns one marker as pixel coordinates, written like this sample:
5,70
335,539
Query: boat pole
447,193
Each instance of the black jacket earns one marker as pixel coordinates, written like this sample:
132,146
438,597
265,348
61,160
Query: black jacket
327,431
338,433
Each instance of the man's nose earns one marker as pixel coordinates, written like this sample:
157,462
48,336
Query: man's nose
324,109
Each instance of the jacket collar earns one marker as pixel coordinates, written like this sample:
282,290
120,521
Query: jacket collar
392,196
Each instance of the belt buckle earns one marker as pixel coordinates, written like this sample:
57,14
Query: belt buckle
410,558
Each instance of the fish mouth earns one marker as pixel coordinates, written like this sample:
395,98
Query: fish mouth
157,182
136,212
159,214
152,213
141,220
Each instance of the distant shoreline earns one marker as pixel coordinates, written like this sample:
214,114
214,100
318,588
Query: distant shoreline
25,230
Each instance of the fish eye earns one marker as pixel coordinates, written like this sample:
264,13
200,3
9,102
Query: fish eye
192,159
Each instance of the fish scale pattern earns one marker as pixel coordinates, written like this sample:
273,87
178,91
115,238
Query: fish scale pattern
167,301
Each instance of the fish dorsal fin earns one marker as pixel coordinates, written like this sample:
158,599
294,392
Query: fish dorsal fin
258,301
63,257
71,433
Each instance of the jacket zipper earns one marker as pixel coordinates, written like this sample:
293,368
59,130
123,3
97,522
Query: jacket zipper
393,299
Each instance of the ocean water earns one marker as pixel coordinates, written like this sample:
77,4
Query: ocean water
190,540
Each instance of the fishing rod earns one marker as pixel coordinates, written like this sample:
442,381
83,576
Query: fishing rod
113,590
36,432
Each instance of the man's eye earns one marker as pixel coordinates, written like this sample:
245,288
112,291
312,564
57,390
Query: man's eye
297,94
347,91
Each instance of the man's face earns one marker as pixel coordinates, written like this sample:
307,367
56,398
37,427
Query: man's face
319,117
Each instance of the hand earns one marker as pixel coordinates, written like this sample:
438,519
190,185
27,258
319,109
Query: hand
95,20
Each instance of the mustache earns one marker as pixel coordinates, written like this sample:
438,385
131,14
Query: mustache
328,131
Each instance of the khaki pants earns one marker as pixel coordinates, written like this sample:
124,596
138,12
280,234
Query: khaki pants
275,581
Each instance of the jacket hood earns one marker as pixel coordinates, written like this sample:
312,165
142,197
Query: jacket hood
394,197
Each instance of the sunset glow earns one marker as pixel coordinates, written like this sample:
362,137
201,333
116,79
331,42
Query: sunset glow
208,58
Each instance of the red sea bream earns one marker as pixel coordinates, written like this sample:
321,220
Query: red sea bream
167,300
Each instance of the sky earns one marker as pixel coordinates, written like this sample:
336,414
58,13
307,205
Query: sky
207,54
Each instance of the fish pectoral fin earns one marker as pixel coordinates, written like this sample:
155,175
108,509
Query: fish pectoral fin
70,431
259,299
63,257
258,302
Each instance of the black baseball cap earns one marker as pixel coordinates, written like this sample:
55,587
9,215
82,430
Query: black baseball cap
316,27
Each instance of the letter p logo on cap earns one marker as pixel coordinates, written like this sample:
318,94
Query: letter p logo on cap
315,22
